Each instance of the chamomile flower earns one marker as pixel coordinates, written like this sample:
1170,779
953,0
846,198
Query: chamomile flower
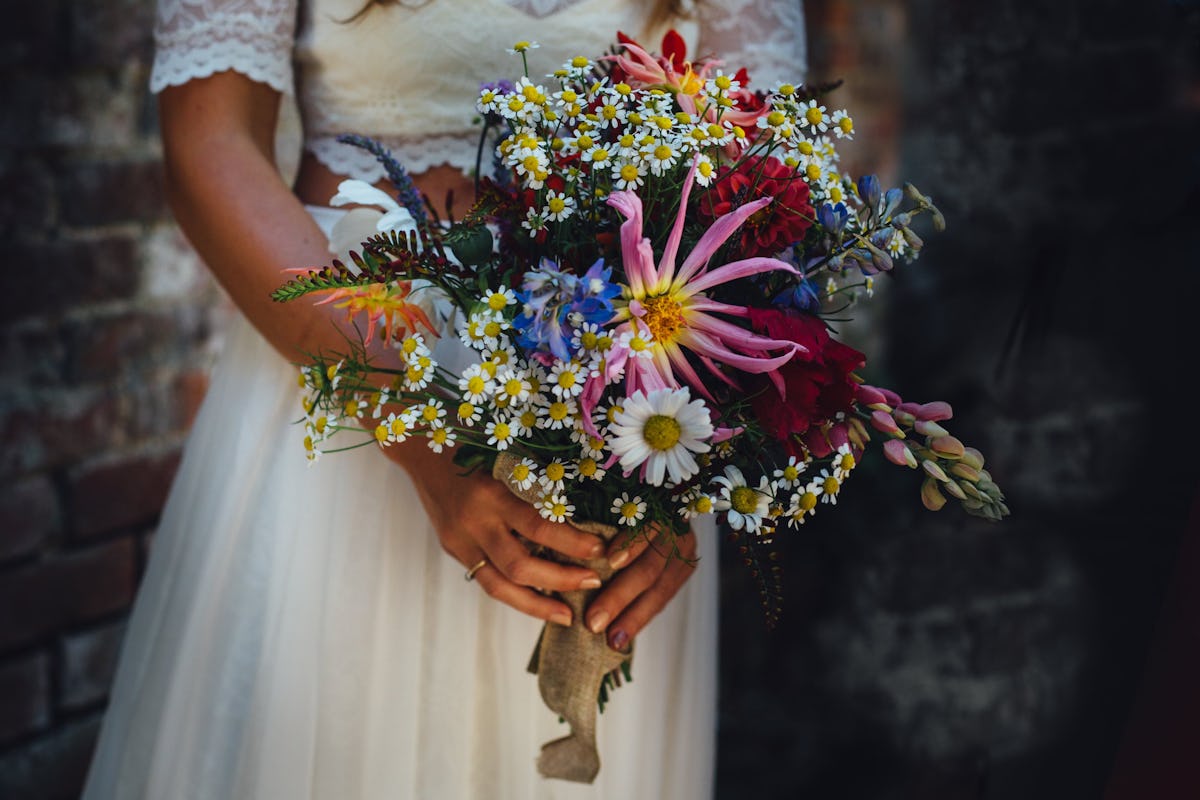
744,505
843,462
706,170
512,386
555,508
660,432
558,206
661,157
843,125
311,451
440,438
567,378
535,220
524,421
418,373
830,486
524,474
814,116
804,503
788,476
696,503
432,412
500,298
557,414
628,174
474,384
398,428
555,475
522,47
467,414
638,340
589,468
586,338
629,510
499,433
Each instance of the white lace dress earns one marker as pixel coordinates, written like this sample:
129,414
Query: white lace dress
299,633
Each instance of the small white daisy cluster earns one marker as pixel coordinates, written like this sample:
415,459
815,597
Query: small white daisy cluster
790,495
614,134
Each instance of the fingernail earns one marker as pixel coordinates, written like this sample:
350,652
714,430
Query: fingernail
561,618
590,583
618,640
618,559
598,621
597,550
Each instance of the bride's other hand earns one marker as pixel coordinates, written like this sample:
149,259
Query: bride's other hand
649,575
475,517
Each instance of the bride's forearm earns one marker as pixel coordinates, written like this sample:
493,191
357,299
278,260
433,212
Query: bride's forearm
236,210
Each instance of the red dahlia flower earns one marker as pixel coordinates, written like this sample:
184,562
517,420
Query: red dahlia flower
776,226
817,382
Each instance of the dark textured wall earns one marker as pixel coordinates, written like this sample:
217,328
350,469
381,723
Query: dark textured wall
935,656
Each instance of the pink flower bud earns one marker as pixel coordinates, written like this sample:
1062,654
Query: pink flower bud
898,453
947,447
935,411
891,397
871,397
929,428
885,423
964,470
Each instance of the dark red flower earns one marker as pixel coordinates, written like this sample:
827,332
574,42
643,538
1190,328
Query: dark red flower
817,384
777,226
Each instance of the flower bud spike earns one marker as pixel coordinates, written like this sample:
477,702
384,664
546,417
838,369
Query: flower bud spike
934,471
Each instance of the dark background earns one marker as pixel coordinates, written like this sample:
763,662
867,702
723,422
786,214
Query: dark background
919,655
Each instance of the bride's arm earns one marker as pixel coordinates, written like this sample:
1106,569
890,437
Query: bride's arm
247,225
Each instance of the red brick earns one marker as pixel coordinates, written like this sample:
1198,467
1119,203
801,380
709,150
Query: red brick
29,515
24,696
83,272
26,198
114,191
32,355
106,347
88,662
121,494
43,438
42,599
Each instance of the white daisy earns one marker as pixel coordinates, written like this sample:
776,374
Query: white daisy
660,432
440,438
830,486
499,433
843,462
788,476
590,469
629,511
803,503
555,508
555,475
745,506
566,378
524,473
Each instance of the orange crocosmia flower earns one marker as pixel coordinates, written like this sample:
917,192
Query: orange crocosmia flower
381,301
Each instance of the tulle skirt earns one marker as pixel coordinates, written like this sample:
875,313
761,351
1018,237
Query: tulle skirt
299,634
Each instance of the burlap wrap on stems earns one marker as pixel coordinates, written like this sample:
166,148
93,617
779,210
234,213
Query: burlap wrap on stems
570,662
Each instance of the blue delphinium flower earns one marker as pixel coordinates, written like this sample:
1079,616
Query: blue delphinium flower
556,303
803,297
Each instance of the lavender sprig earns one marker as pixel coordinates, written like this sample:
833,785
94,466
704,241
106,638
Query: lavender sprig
406,192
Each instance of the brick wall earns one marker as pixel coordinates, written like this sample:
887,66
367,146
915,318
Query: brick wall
107,328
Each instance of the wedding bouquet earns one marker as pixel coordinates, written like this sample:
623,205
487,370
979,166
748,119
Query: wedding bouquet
645,287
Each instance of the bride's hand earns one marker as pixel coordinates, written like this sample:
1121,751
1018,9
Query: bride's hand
649,575
475,517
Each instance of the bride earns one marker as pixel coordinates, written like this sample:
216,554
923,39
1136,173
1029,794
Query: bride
307,632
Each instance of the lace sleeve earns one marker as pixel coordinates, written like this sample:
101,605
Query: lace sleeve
197,38
767,37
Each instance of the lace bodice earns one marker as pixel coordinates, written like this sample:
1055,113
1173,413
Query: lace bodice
388,73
